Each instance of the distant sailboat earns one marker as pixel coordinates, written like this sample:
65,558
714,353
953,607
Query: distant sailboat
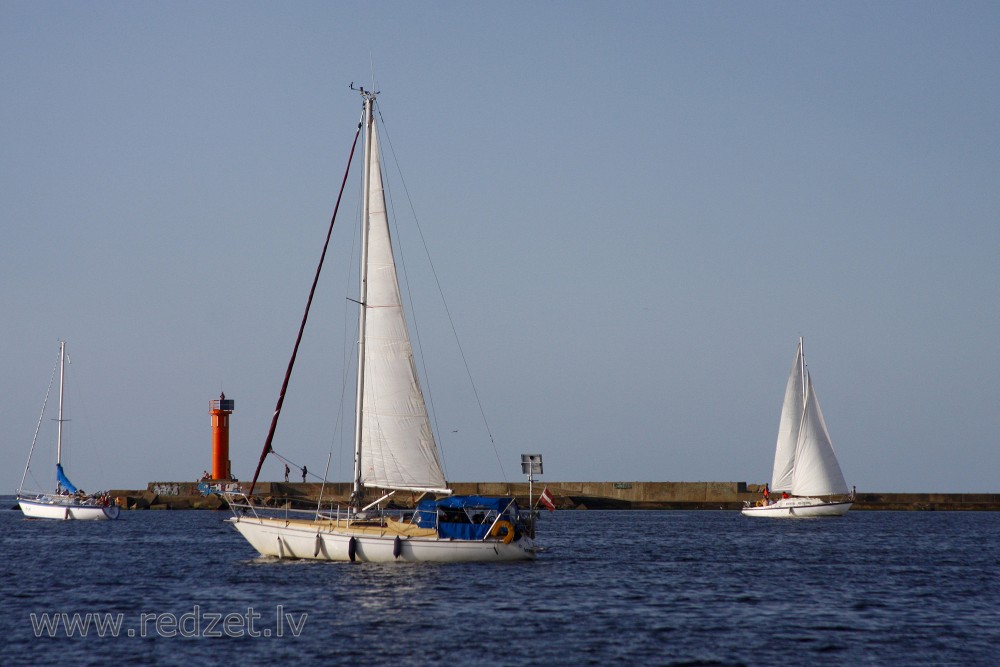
805,465
395,449
67,502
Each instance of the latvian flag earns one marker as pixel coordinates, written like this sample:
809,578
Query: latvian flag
546,499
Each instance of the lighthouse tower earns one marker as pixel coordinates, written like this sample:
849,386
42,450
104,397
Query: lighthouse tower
220,409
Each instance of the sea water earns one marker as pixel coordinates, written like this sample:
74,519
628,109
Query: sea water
639,587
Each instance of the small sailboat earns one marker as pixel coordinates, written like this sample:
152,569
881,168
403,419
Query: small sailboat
806,472
68,502
394,445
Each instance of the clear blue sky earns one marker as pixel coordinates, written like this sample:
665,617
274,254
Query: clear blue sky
634,210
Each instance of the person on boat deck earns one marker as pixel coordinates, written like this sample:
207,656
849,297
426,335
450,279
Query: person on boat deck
304,471
784,494
767,495
287,470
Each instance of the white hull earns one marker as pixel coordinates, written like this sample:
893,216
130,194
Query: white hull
799,508
41,508
56,505
315,540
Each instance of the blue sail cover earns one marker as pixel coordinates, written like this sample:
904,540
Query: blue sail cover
456,516
63,480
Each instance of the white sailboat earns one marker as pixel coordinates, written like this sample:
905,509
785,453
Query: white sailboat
67,502
806,472
395,449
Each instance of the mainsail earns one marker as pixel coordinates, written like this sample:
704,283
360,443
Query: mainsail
397,444
788,426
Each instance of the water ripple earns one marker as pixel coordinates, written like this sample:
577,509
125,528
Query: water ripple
665,588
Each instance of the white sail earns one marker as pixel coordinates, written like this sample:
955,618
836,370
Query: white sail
788,427
397,445
817,472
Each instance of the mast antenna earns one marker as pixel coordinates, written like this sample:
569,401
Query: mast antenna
364,93
371,63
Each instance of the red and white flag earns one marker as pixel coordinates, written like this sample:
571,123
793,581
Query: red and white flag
546,499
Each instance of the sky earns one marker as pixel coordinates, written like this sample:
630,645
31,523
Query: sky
633,211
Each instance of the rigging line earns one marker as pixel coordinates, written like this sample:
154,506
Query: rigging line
451,321
37,428
293,464
338,436
322,488
305,316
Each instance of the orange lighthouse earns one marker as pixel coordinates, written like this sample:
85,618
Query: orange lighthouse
220,410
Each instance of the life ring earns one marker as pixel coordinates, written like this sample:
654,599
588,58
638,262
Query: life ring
758,504
506,528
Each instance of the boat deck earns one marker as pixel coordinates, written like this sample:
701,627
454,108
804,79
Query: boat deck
390,527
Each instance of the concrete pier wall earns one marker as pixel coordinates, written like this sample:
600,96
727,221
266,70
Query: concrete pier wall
567,495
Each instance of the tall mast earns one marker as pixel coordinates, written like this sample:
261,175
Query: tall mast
369,101
62,375
802,370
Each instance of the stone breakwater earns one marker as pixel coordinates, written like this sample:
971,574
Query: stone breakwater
567,495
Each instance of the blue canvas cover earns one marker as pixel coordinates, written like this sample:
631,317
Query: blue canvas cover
63,480
463,531
451,515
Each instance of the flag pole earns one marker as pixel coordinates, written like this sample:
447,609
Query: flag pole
530,465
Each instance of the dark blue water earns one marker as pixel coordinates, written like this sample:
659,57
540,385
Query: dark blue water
879,588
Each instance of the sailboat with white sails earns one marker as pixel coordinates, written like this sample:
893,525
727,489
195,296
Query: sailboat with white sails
68,502
395,449
806,471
